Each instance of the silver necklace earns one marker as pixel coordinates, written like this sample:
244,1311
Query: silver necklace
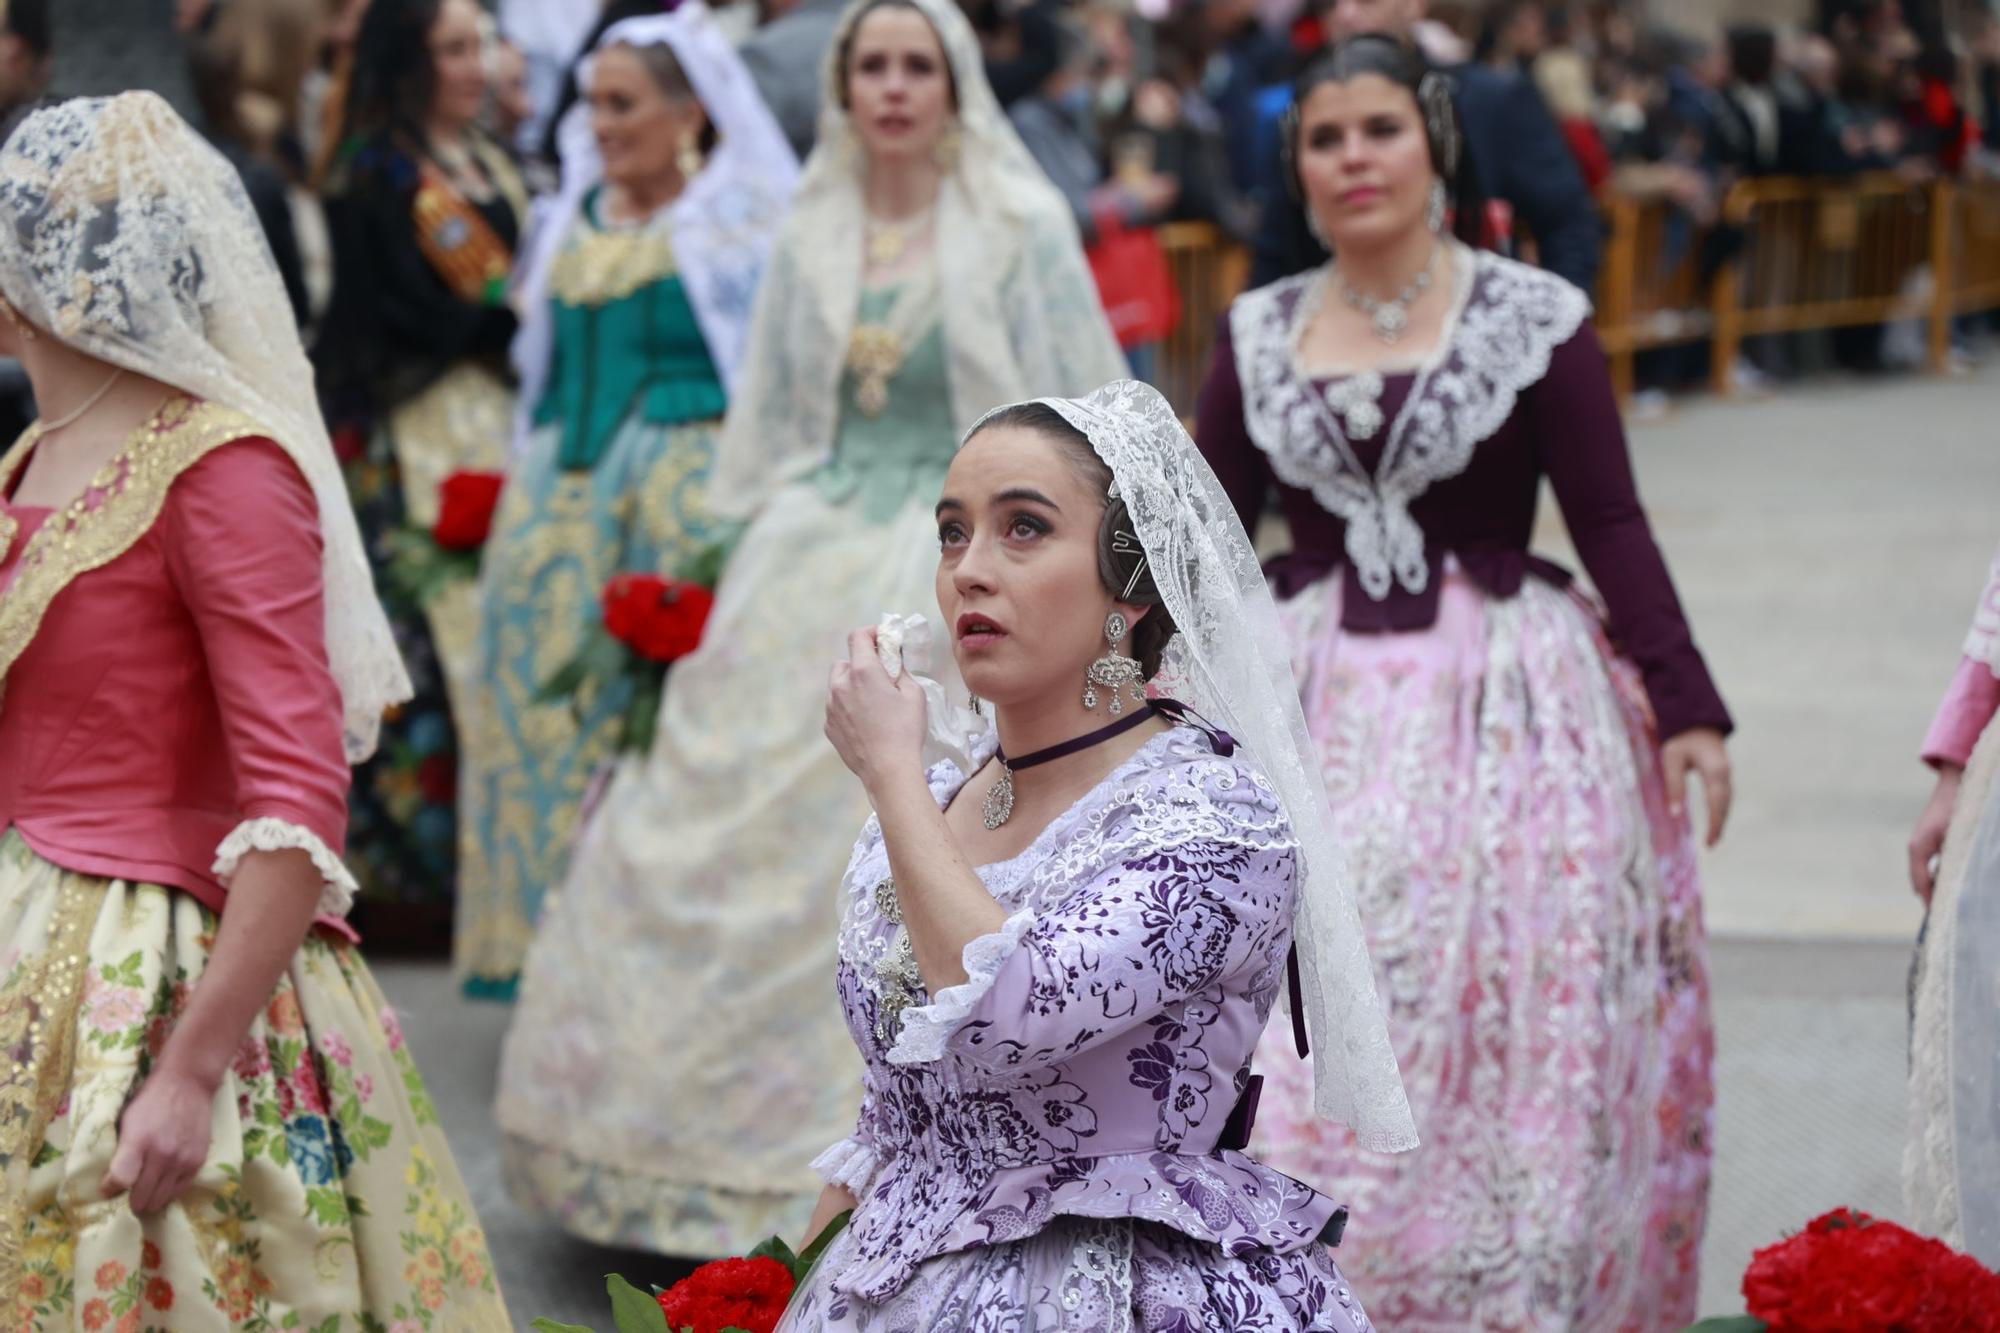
72,417
1390,317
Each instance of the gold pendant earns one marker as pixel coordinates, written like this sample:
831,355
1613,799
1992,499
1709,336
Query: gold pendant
886,245
874,354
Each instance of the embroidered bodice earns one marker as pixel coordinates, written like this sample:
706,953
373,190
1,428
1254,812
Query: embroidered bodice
624,337
1383,476
165,700
1091,1061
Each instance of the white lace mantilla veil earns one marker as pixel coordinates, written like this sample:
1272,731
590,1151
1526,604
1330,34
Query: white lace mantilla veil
722,224
1021,312
130,238
1231,662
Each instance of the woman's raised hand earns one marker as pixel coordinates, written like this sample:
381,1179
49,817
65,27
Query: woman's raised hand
876,724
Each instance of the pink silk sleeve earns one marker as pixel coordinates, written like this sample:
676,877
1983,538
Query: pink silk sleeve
243,548
1969,705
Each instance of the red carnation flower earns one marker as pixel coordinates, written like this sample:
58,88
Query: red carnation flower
1848,1273
660,619
466,501
750,1294
437,779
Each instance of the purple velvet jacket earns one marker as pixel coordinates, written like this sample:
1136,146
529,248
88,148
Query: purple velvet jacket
1518,392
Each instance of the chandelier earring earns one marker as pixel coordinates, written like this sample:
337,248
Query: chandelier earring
688,158
1435,206
1114,671
951,142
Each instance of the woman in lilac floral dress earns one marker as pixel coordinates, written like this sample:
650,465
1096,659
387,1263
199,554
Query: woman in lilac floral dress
1058,1042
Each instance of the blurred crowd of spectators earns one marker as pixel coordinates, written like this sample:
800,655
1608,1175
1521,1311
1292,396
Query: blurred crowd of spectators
1145,112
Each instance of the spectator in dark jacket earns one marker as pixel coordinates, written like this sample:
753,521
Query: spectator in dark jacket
1514,153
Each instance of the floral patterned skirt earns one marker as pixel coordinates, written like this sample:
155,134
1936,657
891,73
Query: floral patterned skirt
329,1201
525,766
1534,918
1091,1275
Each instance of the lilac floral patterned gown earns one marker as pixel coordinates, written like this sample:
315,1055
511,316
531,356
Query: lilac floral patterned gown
1038,1148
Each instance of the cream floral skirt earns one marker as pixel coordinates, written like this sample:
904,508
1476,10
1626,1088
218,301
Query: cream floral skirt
329,1201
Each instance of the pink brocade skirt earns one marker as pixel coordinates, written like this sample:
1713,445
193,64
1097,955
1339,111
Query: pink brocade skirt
1534,918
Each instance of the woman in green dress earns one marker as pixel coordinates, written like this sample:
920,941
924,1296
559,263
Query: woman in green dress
928,273
677,179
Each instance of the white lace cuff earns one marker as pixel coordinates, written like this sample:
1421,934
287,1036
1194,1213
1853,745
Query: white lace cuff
927,1029
280,835
850,1164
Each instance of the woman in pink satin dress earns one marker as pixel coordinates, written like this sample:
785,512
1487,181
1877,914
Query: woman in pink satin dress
208,1116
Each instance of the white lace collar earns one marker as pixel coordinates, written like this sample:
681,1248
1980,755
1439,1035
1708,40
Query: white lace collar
1507,321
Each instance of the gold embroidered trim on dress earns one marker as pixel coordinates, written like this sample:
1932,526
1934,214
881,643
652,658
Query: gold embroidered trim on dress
38,1014
598,267
130,491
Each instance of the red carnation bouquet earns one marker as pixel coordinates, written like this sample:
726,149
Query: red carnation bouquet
650,622
1849,1273
425,563
746,1295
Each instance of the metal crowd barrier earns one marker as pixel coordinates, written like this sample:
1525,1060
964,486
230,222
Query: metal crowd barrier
1790,255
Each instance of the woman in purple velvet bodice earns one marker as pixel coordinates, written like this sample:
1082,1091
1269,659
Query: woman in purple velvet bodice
1058,1042
1510,755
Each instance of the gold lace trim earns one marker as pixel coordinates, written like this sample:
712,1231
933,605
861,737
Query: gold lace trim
597,267
129,491
38,1013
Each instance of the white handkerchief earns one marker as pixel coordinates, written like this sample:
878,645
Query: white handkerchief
904,644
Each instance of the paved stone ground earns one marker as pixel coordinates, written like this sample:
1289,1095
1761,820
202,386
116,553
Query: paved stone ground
1829,543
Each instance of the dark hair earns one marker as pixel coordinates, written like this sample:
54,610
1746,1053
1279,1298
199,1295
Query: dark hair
395,77
1402,64
615,12
1753,52
29,21
853,30
1117,562
664,69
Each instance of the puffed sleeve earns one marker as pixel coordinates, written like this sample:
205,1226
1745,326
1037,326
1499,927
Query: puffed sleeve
1154,930
243,549
1590,469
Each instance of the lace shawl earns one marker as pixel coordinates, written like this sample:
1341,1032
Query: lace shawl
1023,315
124,234
1506,322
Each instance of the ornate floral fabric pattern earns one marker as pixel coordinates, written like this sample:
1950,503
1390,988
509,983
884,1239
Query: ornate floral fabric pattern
560,536
403,829
1507,319
1534,918
322,1108
1051,1142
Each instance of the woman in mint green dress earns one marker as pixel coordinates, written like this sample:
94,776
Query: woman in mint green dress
640,287
678,1057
